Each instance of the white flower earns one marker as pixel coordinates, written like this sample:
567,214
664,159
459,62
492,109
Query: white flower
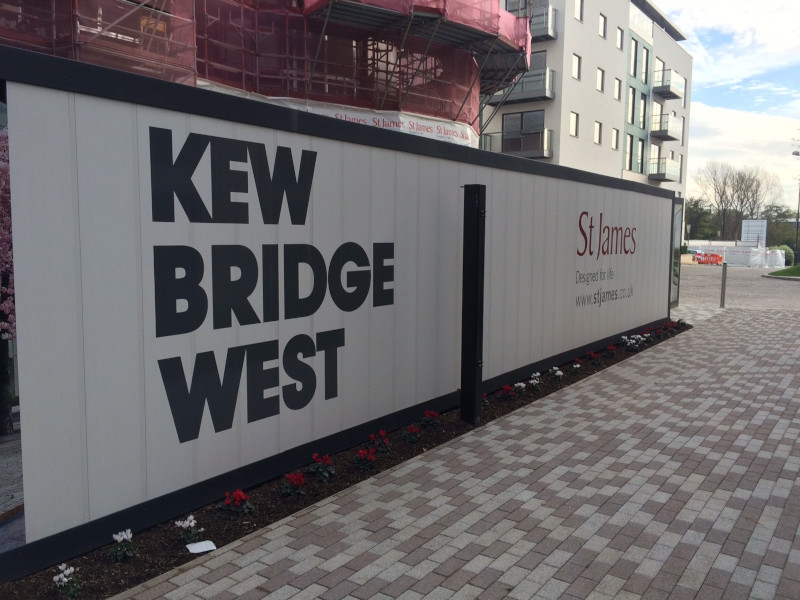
189,523
64,577
558,374
576,366
123,536
519,386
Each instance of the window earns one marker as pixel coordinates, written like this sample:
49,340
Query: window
658,72
655,153
629,152
579,10
573,124
601,80
683,130
658,110
620,38
645,63
634,57
523,131
643,110
602,26
680,167
576,66
617,89
631,105
615,139
639,155
598,132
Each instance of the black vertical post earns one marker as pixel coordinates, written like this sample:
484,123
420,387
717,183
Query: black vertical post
472,303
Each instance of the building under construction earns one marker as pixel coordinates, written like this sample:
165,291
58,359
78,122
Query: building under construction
430,57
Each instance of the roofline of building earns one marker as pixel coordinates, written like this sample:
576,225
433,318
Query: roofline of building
659,19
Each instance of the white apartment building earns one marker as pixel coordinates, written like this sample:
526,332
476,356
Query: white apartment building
608,91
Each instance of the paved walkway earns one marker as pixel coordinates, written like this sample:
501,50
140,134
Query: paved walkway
675,474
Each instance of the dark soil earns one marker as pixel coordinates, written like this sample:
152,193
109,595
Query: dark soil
160,548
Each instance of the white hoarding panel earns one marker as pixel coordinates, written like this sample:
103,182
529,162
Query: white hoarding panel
196,295
590,261
47,253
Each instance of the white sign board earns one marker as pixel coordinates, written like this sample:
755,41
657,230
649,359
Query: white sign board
196,294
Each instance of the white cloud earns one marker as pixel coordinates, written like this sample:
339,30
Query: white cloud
743,139
734,40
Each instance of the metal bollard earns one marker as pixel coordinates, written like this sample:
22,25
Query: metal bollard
724,279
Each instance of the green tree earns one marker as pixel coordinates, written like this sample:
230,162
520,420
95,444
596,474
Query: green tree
699,216
780,225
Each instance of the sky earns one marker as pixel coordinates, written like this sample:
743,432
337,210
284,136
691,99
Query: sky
745,107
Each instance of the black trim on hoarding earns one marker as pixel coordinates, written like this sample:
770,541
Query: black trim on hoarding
32,68
670,302
51,550
523,373
472,300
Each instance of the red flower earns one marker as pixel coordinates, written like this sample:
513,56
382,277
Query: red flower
610,347
431,414
413,429
296,479
382,433
577,360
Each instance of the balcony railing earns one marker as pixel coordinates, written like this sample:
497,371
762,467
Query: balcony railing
537,84
666,127
526,144
664,169
668,84
544,23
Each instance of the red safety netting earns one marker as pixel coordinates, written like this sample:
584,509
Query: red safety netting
274,48
155,38
34,24
276,51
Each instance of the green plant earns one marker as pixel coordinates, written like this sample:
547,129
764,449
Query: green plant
684,249
124,548
431,419
293,484
237,502
411,434
67,582
789,255
365,458
322,469
189,531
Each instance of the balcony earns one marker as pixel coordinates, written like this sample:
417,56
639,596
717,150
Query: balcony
544,21
664,169
666,127
537,84
668,84
525,144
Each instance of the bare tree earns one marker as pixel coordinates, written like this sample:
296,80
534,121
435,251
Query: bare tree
715,182
737,194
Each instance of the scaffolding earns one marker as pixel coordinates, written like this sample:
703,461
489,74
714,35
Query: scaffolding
432,57
154,38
